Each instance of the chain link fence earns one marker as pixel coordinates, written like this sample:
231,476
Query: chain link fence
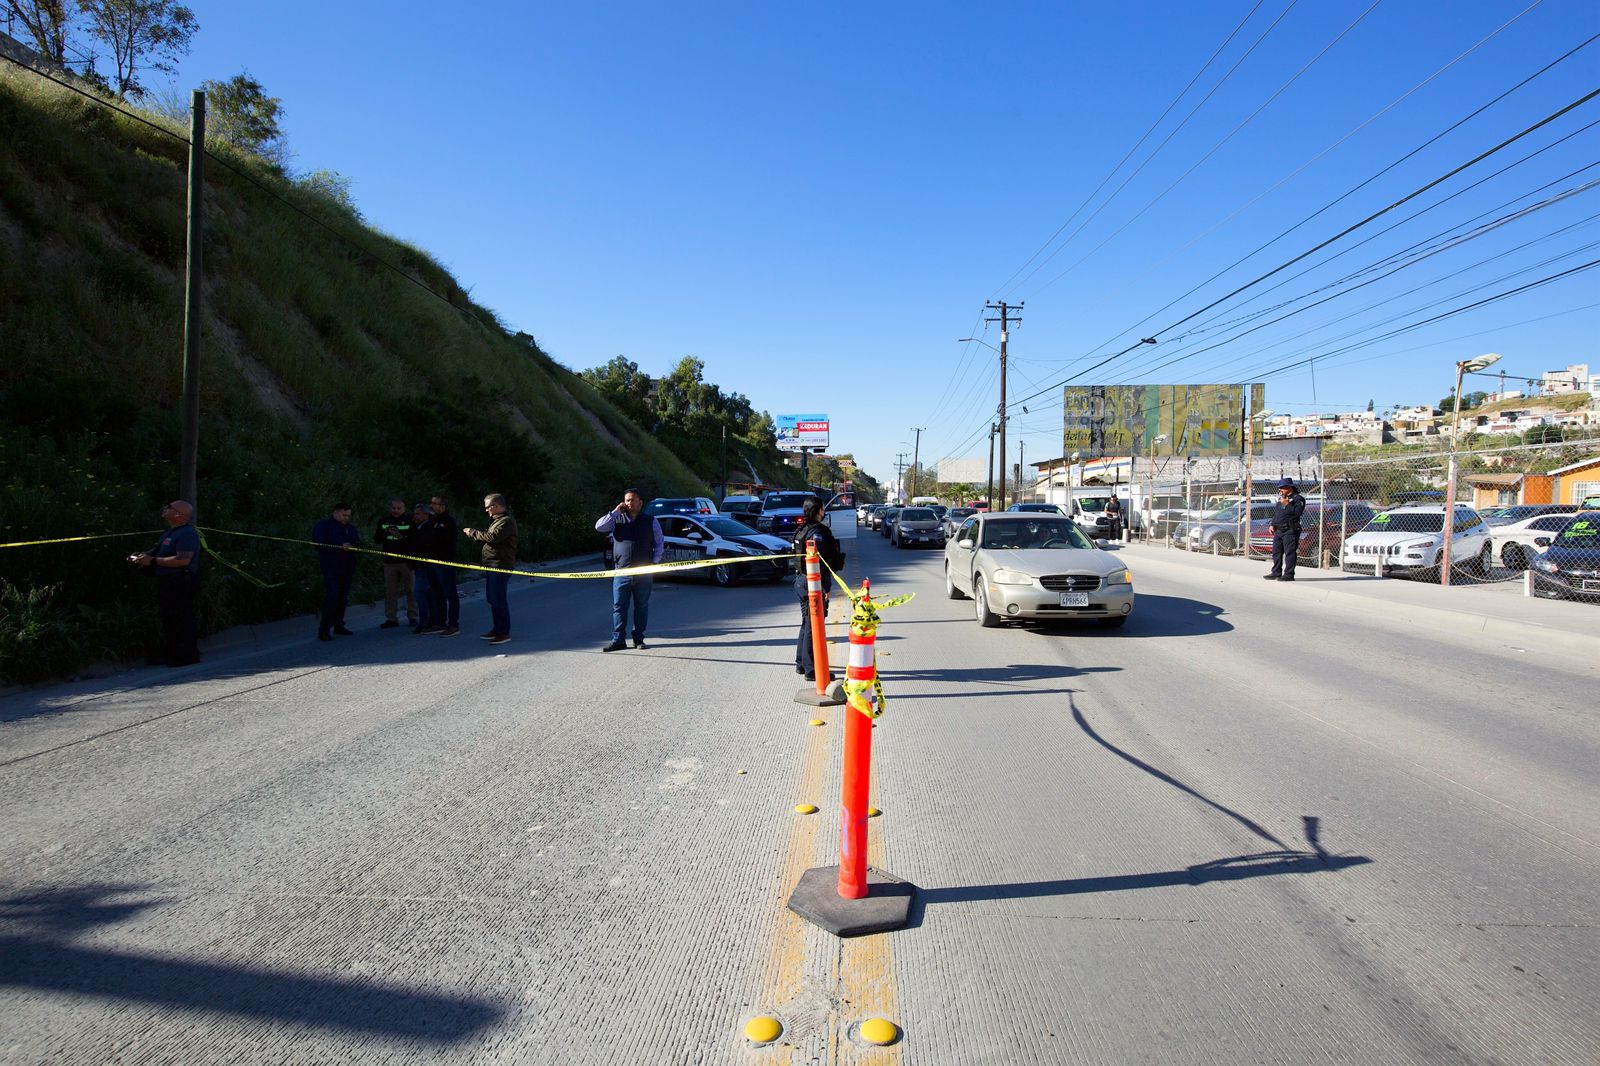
1513,503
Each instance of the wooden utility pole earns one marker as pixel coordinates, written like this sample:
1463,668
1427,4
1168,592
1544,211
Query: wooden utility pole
988,489
916,451
188,461
1005,320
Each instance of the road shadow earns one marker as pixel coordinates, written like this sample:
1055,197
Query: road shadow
40,957
1153,616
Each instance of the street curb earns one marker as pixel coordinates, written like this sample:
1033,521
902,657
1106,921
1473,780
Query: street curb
1469,622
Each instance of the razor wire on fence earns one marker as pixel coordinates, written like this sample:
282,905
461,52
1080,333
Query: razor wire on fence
1385,515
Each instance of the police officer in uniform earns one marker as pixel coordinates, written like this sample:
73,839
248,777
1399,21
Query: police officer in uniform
812,530
175,564
1285,529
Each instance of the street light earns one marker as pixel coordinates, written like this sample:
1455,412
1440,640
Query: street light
1466,366
976,340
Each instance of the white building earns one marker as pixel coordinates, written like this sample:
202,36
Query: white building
1575,378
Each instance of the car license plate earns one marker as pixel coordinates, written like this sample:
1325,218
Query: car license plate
1590,586
1074,599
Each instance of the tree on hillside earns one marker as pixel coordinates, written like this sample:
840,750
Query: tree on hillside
629,389
140,33
47,22
332,186
1544,435
239,112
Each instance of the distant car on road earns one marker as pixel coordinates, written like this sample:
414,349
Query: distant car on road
1410,540
1035,566
954,517
1569,568
886,525
917,525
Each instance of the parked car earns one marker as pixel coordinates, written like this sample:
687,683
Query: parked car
1034,566
680,505
1569,567
886,526
1337,521
1221,533
716,537
1410,540
1517,542
780,512
917,525
954,517
1521,512
743,509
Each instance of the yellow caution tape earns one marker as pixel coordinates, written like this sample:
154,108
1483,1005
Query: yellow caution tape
866,696
92,536
653,568
256,581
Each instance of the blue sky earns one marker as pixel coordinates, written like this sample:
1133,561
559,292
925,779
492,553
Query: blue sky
817,199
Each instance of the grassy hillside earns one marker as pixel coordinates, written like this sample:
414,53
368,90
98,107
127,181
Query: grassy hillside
327,376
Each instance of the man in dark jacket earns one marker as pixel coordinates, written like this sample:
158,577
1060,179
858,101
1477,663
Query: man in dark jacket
812,530
442,579
636,540
393,534
338,567
1285,530
499,551
1114,513
175,564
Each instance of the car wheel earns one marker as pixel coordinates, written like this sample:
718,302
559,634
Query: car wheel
1223,543
986,618
1485,561
950,589
1115,623
1514,558
726,576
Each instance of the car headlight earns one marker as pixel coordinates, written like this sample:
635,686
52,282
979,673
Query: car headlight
1121,577
1011,577
1541,563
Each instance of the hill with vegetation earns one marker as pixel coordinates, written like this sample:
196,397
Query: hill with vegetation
339,364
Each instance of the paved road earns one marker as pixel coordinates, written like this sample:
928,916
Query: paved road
1239,830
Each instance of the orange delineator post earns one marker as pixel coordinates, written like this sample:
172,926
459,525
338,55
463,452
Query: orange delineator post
819,619
857,766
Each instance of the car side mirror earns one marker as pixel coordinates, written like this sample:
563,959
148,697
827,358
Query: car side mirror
695,535
1543,542
967,544
1101,542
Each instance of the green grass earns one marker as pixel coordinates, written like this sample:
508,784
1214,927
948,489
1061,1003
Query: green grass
325,376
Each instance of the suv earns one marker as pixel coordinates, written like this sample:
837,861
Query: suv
1410,539
680,505
743,509
780,512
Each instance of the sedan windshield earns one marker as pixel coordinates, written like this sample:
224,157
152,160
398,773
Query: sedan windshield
1583,532
918,514
794,500
726,527
1405,522
1034,534
1093,503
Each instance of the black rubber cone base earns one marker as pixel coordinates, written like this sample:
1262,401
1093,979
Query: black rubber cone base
834,697
887,905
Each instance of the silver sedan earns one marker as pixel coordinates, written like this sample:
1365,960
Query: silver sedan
1035,566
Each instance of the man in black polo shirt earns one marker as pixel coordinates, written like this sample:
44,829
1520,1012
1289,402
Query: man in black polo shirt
175,564
1285,530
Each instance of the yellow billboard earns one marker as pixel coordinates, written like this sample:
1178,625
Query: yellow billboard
1155,420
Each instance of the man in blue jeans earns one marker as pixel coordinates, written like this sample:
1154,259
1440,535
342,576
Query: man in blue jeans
500,554
636,541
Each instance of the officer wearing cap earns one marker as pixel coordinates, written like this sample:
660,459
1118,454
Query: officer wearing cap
1285,530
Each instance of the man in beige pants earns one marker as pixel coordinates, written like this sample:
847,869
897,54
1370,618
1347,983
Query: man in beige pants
394,535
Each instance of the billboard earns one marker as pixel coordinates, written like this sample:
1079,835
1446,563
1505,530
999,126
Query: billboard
1154,420
962,471
802,433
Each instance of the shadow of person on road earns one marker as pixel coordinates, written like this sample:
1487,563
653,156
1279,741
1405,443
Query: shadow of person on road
36,953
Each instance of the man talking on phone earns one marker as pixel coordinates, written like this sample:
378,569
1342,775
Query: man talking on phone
175,564
637,541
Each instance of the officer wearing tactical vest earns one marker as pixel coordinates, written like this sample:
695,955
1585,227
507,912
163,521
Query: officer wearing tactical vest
1285,530
814,530
636,541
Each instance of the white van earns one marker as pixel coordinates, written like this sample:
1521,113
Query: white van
924,501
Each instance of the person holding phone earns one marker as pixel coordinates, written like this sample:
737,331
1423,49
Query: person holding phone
637,541
175,564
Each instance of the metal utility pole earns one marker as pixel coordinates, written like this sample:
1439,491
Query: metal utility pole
188,460
1005,320
900,475
988,488
724,464
916,451
1022,448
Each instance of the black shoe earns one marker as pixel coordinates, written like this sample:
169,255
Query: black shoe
390,624
427,630
449,631
809,676
499,638
489,635
323,636
1286,579
342,631
799,669
1270,577
640,644
615,645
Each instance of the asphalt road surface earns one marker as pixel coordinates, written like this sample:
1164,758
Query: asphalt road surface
1237,831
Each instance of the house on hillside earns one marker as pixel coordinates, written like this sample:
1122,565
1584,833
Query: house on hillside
1578,481
1504,488
1575,378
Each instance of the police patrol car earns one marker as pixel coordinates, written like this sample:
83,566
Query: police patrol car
686,537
